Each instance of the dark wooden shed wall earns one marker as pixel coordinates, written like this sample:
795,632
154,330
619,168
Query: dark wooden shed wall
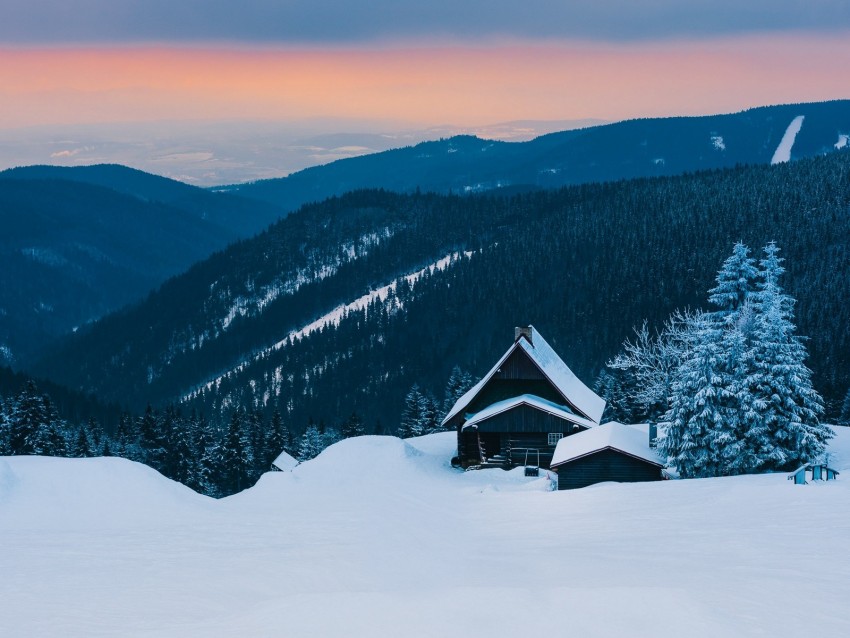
605,465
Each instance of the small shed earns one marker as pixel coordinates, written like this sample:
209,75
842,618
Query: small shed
609,452
284,462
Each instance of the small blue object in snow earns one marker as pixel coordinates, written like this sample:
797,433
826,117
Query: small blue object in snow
820,472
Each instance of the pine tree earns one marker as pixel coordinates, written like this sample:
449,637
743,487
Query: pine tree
353,426
150,438
844,419
233,457
431,415
609,386
206,476
414,415
277,439
458,384
4,428
96,435
27,419
787,405
330,436
311,444
82,445
180,457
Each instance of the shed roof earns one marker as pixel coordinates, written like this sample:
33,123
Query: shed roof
585,400
611,435
559,411
285,462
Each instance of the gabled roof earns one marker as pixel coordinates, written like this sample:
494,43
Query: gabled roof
285,463
578,395
611,435
533,401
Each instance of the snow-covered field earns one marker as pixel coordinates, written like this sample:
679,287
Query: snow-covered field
380,537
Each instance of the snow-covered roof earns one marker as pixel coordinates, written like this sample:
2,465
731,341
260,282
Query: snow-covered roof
285,462
613,435
559,411
585,400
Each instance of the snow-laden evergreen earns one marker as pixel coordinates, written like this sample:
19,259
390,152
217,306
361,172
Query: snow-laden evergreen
697,413
742,399
735,282
414,415
310,444
787,405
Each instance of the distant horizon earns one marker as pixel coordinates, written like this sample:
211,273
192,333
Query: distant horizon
133,144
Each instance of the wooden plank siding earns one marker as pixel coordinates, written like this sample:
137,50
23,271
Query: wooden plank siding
605,465
524,418
520,427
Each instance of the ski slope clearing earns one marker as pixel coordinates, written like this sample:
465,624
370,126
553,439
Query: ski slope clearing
783,151
381,537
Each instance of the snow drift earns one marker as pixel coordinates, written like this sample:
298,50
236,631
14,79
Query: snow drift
379,536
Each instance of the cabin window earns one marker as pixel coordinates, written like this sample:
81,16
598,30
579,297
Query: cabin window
554,437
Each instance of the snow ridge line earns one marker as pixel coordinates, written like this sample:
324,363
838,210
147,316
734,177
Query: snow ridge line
333,317
783,151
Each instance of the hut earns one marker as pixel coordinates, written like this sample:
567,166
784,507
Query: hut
609,452
519,410
284,462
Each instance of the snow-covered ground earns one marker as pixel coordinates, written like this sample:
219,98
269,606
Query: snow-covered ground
380,537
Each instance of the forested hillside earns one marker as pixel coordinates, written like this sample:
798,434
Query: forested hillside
634,148
79,243
583,264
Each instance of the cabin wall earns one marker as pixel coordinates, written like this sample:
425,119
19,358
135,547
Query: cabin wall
524,418
510,433
605,465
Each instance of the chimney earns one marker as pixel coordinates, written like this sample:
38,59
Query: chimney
653,435
523,331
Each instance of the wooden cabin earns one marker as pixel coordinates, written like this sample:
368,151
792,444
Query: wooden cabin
609,452
517,413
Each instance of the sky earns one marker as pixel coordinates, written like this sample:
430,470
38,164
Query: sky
397,67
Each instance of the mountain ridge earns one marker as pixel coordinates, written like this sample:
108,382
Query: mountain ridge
644,147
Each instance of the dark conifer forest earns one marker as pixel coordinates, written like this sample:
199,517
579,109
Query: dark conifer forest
584,264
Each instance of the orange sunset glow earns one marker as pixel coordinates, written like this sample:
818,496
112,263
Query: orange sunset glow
462,85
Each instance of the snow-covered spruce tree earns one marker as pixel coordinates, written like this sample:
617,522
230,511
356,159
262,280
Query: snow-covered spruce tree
736,281
610,387
458,384
233,459
733,440
697,402
310,444
330,436
25,419
180,457
82,445
34,426
413,416
277,436
431,416
787,405
207,475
